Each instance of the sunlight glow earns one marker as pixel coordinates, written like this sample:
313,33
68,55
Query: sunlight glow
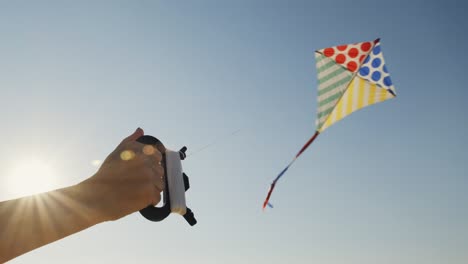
30,176
96,163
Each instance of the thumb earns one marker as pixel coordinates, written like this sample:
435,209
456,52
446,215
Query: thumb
134,136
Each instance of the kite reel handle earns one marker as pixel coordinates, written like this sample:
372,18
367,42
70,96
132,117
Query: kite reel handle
151,212
157,214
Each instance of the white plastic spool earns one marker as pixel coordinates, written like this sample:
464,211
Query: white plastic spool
175,180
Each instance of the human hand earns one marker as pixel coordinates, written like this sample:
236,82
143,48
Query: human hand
130,179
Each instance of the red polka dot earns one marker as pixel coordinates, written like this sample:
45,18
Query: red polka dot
352,66
342,47
340,58
353,52
362,58
329,52
365,46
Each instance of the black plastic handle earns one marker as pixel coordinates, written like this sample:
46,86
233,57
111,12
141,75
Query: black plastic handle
151,212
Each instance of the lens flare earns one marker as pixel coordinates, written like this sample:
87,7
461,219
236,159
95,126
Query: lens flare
148,150
127,155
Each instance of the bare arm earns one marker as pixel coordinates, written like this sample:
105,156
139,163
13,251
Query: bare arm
125,183
30,222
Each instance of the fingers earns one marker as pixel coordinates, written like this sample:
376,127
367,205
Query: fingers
157,183
147,156
151,159
134,136
130,148
158,156
158,168
155,172
152,151
158,178
135,150
137,147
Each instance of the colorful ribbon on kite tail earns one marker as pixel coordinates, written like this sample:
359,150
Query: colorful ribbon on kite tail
272,186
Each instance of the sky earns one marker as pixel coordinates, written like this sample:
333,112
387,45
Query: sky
385,185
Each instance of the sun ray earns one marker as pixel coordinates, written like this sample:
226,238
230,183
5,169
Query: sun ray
30,176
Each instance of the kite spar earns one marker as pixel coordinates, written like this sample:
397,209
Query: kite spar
350,77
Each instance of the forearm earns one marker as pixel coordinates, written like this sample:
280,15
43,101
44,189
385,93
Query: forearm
31,222
120,187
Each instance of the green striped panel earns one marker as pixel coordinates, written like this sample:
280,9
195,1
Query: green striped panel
333,83
325,65
331,75
338,83
324,113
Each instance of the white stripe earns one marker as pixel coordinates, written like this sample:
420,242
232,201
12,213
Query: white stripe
320,59
331,93
344,100
356,94
333,80
366,94
332,116
377,95
327,106
329,70
323,118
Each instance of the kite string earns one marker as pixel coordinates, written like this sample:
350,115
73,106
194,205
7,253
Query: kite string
258,121
216,141
212,143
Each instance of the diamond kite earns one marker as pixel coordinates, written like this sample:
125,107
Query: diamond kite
350,77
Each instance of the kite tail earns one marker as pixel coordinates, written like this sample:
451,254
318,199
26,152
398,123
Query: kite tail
273,184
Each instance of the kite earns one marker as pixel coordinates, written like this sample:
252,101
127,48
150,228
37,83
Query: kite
350,77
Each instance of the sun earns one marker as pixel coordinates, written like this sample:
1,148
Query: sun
30,176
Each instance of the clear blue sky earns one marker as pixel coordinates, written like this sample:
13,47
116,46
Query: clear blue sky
386,185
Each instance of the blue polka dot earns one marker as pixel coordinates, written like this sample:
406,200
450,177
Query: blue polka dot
364,71
376,62
376,76
387,81
366,60
376,50
385,69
